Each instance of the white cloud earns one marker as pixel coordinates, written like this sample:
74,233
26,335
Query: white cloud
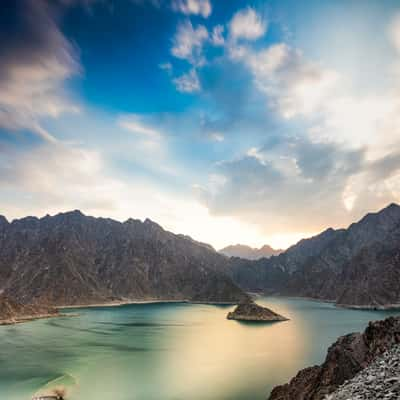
294,84
195,7
188,83
133,123
247,24
217,37
188,43
216,137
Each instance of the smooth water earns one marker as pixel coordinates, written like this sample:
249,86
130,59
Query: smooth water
169,351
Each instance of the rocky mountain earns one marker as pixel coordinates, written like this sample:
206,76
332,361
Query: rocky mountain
12,311
348,356
356,266
249,253
70,259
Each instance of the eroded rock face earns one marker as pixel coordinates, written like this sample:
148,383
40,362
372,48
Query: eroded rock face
250,311
72,259
346,357
12,311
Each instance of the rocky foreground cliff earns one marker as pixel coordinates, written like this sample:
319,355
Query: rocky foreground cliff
380,380
348,356
71,259
358,266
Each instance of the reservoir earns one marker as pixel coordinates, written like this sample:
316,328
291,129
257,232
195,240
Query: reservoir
170,351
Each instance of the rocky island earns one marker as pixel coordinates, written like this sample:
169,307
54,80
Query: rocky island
250,311
12,312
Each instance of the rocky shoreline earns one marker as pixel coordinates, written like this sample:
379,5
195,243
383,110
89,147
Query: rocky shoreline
349,355
13,312
27,318
380,380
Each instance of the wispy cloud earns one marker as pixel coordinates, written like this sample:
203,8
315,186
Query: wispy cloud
217,36
133,123
188,83
36,62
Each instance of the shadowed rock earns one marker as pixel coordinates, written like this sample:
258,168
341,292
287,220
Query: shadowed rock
346,357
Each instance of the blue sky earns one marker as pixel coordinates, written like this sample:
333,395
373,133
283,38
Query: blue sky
231,121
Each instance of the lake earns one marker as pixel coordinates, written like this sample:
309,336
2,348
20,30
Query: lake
170,351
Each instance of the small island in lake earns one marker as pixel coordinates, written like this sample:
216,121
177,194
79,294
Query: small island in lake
250,311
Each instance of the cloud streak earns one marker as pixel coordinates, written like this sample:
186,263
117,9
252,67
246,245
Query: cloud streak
36,61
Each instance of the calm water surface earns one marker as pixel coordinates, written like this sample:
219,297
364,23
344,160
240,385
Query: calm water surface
170,351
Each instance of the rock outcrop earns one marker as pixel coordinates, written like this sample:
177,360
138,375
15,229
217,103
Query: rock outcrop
380,380
73,259
250,311
12,312
250,253
358,266
346,357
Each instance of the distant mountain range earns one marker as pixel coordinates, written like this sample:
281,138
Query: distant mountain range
358,266
71,259
249,253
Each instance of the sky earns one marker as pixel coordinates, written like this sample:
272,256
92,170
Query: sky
235,121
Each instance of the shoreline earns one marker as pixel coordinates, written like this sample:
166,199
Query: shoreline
386,307
138,302
30,318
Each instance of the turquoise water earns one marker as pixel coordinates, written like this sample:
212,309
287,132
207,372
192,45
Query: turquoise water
173,351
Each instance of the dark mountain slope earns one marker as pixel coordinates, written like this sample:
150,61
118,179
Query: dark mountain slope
355,266
72,259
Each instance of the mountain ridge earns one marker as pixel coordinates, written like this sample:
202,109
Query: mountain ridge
325,267
71,258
